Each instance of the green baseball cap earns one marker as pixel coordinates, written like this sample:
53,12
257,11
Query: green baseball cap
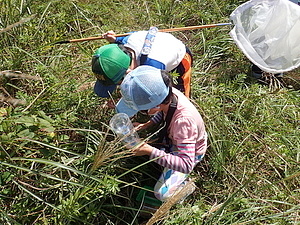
110,63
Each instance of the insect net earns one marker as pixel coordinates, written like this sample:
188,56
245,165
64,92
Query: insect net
268,33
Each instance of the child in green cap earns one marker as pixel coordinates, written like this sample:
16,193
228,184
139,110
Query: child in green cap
110,63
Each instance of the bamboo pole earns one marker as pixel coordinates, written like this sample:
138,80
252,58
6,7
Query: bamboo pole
162,30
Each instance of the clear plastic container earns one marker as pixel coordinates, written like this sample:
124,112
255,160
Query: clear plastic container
121,124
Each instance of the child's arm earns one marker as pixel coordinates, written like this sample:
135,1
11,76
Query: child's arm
154,120
142,126
110,37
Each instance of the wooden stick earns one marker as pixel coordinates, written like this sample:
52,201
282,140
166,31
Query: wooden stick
89,39
162,30
194,27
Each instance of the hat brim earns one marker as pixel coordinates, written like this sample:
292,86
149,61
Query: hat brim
121,107
103,90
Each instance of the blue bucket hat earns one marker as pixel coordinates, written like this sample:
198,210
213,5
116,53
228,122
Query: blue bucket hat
142,89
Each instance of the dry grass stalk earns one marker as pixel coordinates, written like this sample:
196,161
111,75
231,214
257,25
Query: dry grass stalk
12,101
24,20
18,74
275,83
213,209
103,153
107,150
166,206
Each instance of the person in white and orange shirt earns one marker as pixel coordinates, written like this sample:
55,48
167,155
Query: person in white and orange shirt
111,63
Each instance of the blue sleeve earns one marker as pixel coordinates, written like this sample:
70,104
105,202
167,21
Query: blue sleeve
123,40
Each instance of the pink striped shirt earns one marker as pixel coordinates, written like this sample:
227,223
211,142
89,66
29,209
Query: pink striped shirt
188,136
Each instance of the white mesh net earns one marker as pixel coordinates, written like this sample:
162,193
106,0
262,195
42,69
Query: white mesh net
268,33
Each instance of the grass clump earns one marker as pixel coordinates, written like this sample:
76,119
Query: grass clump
59,162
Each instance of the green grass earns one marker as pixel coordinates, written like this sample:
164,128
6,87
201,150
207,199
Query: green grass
60,164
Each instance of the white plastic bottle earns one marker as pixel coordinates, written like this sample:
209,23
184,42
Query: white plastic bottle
121,124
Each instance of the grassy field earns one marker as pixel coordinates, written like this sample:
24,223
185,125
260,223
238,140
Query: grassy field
60,163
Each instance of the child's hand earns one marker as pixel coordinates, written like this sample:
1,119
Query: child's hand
110,36
138,126
145,149
142,126
110,104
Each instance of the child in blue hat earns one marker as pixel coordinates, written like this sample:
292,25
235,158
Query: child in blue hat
150,90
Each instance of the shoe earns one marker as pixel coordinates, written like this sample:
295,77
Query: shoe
256,72
278,75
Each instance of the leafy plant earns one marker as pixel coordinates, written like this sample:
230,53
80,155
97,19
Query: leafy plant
59,162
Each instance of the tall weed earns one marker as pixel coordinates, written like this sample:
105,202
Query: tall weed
60,164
